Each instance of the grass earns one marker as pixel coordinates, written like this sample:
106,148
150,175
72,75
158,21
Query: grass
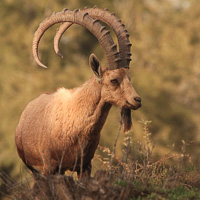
135,176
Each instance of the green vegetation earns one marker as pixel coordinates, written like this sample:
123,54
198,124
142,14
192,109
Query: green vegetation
165,71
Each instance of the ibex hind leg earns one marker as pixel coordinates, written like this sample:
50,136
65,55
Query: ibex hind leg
33,170
21,155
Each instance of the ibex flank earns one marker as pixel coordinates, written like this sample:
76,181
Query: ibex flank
61,131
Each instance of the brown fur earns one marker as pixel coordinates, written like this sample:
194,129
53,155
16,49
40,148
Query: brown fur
126,118
59,129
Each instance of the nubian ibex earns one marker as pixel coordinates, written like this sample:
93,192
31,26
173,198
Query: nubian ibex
61,131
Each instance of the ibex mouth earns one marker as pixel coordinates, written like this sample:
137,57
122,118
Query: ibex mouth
133,107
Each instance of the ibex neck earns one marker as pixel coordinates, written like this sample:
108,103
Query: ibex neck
93,109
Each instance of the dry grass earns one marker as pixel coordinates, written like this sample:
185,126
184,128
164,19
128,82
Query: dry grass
134,176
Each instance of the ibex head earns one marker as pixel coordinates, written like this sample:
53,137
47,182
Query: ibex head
114,80
116,86
117,89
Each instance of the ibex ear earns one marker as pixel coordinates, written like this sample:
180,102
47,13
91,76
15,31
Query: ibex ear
95,65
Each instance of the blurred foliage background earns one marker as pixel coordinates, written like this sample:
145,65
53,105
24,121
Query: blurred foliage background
165,69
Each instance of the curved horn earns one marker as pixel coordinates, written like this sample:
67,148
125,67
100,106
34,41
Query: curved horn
86,21
111,20
60,31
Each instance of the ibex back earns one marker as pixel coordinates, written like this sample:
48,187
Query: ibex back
61,131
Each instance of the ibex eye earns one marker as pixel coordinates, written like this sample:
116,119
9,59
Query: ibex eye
114,81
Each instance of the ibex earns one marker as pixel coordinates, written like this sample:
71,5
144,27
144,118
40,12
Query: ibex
61,131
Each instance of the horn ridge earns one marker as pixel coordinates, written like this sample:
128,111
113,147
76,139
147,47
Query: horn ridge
84,20
111,20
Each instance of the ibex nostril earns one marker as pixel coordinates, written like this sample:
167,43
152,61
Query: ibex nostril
138,99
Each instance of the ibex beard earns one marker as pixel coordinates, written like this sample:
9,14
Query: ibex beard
61,131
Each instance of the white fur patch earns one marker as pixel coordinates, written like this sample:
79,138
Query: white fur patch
64,93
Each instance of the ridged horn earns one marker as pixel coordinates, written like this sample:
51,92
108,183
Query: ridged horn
111,20
86,21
